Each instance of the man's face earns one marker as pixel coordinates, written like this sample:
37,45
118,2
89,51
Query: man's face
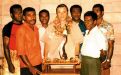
76,14
62,13
44,18
98,12
30,17
89,22
17,15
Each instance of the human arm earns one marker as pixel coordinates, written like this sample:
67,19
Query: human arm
45,40
111,40
109,54
77,49
26,61
7,54
110,49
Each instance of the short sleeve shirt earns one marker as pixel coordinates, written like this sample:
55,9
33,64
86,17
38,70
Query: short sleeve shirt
7,29
107,30
27,43
94,41
12,41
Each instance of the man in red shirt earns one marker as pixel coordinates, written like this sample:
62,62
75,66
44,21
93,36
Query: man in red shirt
27,43
12,65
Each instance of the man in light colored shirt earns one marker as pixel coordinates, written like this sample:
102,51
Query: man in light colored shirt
76,11
107,29
44,17
94,42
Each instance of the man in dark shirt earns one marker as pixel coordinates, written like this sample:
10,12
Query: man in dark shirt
11,64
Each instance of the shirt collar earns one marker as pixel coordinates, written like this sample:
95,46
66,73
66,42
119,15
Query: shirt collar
92,31
102,23
27,26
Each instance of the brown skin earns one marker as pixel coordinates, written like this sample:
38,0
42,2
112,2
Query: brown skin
107,64
76,14
17,19
30,19
110,42
89,23
17,16
7,54
32,69
44,19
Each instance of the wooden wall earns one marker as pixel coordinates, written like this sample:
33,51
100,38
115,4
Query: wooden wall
112,14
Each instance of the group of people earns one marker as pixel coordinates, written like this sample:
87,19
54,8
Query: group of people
26,45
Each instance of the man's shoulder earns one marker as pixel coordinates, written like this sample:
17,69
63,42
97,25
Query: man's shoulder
96,30
22,28
8,25
6,31
81,22
106,23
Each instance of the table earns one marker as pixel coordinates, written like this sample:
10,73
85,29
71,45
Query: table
61,63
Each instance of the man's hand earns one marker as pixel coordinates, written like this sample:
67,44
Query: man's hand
106,64
34,71
11,68
102,55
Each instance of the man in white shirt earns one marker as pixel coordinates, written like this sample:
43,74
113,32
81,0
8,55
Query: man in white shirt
44,17
94,42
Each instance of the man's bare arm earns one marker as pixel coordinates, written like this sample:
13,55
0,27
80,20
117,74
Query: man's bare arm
7,54
26,61
110,49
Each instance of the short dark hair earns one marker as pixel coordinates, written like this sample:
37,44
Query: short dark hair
100,6
61,5
27,9
44,10
92,14
76,6
13,7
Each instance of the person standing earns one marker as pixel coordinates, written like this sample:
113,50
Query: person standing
11,63
61,37
107,29
76,11
94,43
44,17
28,46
